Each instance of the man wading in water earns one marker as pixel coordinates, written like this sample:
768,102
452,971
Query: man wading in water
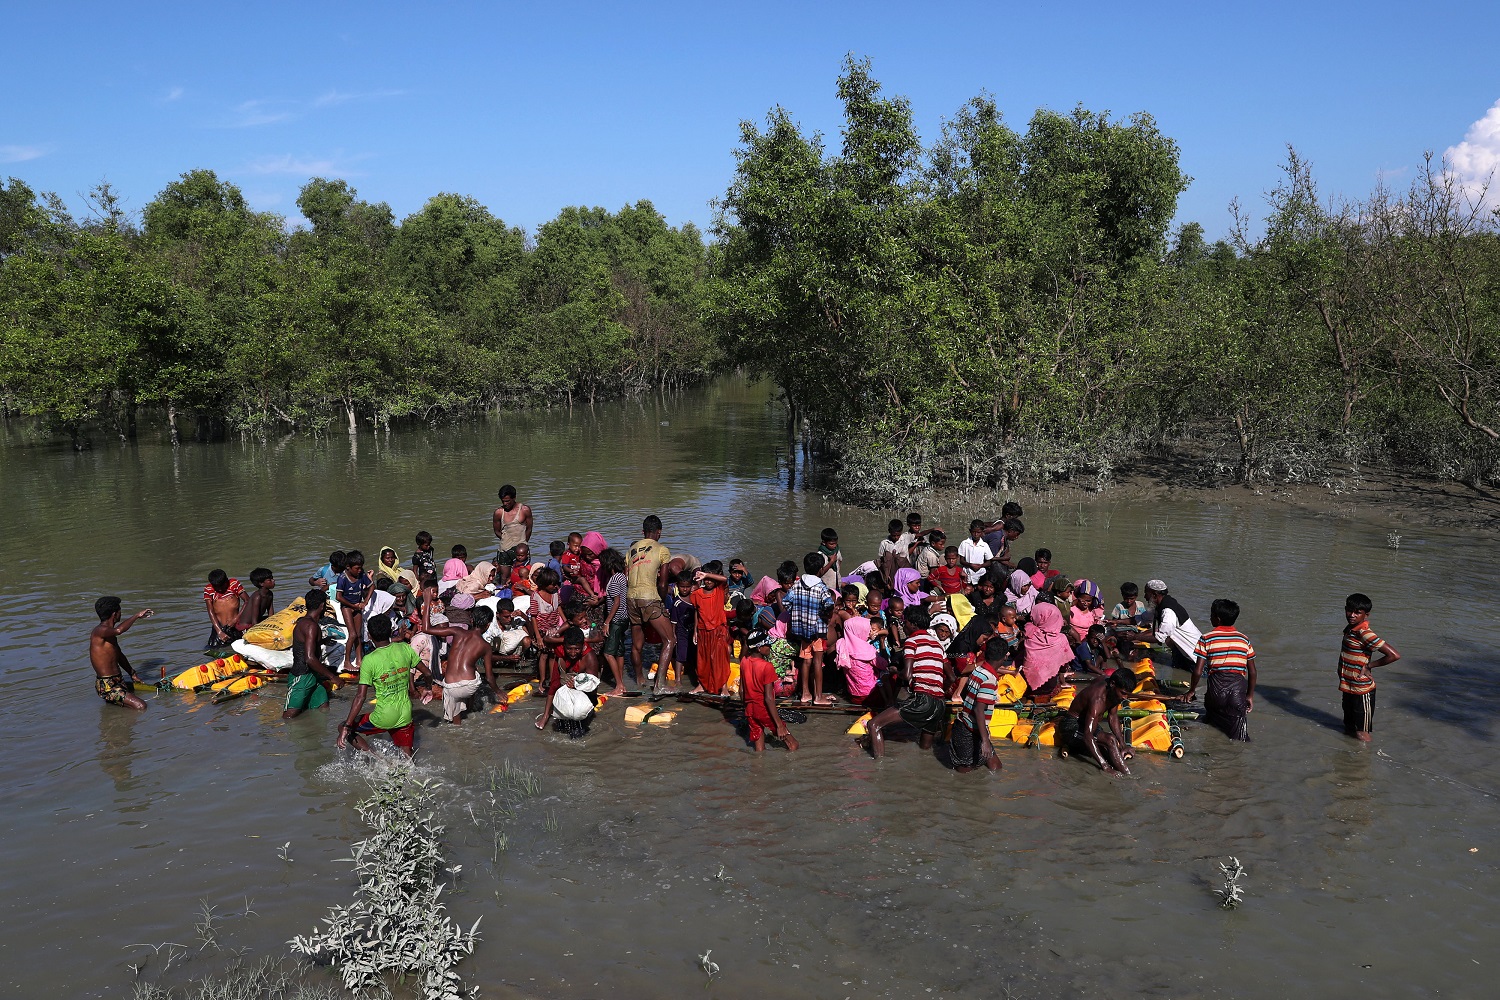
108,659
1079,730
646,568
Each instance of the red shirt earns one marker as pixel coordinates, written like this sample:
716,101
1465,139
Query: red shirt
710,606
755,674
950,578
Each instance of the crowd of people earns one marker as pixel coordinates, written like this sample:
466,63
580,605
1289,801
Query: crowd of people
902,634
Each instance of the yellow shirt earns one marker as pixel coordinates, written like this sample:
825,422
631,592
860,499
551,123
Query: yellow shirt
644,563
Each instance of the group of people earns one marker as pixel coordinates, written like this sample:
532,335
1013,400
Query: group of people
900,634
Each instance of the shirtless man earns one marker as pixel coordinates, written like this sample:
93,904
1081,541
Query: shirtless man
309,681
647,566
109,660
1079,730
513,522
466,647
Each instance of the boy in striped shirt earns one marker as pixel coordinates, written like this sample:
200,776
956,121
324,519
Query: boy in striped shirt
927,673
969,743
1355,680
1229,660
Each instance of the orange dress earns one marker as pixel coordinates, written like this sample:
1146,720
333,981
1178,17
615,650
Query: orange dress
712,639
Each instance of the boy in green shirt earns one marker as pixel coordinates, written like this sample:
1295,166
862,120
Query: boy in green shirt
388,670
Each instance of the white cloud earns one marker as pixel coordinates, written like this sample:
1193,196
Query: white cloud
1475,160
175,94
20,154
335,97
250,114
286,163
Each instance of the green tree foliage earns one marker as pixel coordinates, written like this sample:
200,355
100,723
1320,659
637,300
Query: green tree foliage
1001,305
213,310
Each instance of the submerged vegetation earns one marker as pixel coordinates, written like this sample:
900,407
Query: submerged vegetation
993,308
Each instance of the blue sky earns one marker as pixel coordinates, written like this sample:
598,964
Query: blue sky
533,107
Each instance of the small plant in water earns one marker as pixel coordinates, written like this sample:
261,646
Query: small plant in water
396,924
284,852
708,965
1393,540
1232,894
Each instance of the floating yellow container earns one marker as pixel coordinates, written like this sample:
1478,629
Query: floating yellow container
1002,721
207,673
1151,733
1021,732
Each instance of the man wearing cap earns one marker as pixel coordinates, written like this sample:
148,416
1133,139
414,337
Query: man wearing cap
1171,625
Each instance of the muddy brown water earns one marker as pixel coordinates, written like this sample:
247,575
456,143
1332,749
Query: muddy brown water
1371,869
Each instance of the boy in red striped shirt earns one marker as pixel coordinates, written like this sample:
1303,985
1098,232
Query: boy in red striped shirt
1229,660
1355,680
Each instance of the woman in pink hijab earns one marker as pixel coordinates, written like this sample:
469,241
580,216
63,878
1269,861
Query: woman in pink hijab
855,656
1047,649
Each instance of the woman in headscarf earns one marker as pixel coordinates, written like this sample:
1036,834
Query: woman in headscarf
1047,649
388,566
945,627
855,656
473,584
1021,593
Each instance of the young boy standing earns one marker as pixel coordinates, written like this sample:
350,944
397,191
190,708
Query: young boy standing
108,659
1229,660
258,608
810,604
969,743
949,576
353,592
833,559
974,552
423,561
224,598
1355,680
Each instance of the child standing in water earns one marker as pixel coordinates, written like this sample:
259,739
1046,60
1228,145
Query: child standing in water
423,562
353,592
758,683
108,659
1356,683
258,608
223,598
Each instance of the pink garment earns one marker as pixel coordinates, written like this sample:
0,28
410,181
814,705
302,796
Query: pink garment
595,542
1084,620
1039,579
762,590
1047,649
454,569
905,583
778,631
856,657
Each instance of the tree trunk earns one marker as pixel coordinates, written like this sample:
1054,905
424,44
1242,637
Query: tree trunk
172,423
349,409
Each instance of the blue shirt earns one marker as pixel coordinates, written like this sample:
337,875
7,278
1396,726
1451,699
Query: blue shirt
806,604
